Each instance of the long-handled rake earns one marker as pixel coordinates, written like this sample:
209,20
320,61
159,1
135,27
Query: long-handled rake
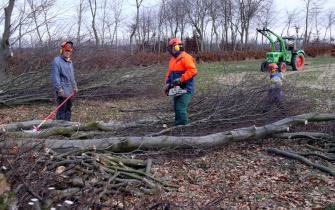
50,115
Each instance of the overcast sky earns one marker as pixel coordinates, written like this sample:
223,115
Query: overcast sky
66,10
298,6
279,5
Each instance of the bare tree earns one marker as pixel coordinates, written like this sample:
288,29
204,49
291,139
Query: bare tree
35,12
176,19
93,9
234,23
117,12
308,10
4,50
43,15
48,17
80,12
329,22
169,23
226,8
214,15
104,20
144,27
265,17
23,25
197,13
317,10
134,26
291,18
247,10
161,19
172,21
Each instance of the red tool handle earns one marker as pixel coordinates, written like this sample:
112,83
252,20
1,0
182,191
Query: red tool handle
60,105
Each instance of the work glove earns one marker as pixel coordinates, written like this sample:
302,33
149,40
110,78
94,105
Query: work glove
75,89
177,82
61,94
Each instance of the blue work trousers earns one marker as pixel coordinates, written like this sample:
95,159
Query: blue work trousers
64,112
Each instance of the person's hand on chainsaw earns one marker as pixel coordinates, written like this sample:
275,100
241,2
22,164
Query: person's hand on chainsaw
177,82
60,93
75,89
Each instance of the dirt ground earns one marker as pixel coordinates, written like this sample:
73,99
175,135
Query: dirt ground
237,176
245,176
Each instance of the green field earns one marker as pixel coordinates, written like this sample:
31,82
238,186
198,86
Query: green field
314,83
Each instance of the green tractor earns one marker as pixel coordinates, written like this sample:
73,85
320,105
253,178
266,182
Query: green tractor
285,51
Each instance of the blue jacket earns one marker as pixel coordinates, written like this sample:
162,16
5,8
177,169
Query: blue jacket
275,91
63,75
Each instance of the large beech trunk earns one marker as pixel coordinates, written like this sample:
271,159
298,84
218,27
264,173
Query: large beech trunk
279,129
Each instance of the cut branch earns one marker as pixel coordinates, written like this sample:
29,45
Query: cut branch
302,159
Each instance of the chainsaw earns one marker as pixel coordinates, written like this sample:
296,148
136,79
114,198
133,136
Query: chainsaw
174,90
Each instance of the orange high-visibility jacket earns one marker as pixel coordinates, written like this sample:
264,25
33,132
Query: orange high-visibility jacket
183,67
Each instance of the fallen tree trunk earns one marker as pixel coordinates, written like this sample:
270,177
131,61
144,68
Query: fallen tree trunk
279,129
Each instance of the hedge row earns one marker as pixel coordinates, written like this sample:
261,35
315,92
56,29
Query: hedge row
26,61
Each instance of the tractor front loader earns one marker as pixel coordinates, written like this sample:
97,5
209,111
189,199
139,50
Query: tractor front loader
285,51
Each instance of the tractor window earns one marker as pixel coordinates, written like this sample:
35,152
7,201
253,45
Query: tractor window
300,44
291,44
278,45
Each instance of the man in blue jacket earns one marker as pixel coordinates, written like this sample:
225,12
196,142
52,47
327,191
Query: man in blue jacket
63,80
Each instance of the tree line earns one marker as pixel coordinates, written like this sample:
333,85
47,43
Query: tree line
219,24
128,26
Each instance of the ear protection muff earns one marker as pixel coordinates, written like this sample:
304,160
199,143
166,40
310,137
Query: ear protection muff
62,46
61,51
177,48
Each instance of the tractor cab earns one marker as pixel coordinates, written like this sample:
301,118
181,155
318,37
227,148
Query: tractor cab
284,51
293,43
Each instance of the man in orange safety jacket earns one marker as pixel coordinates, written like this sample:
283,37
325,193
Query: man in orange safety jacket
181,73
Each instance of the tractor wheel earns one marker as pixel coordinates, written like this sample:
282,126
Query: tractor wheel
298,61
264,66
282,67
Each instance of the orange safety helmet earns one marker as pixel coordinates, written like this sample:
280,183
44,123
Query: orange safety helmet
273,65
175,41
67,46
176,44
